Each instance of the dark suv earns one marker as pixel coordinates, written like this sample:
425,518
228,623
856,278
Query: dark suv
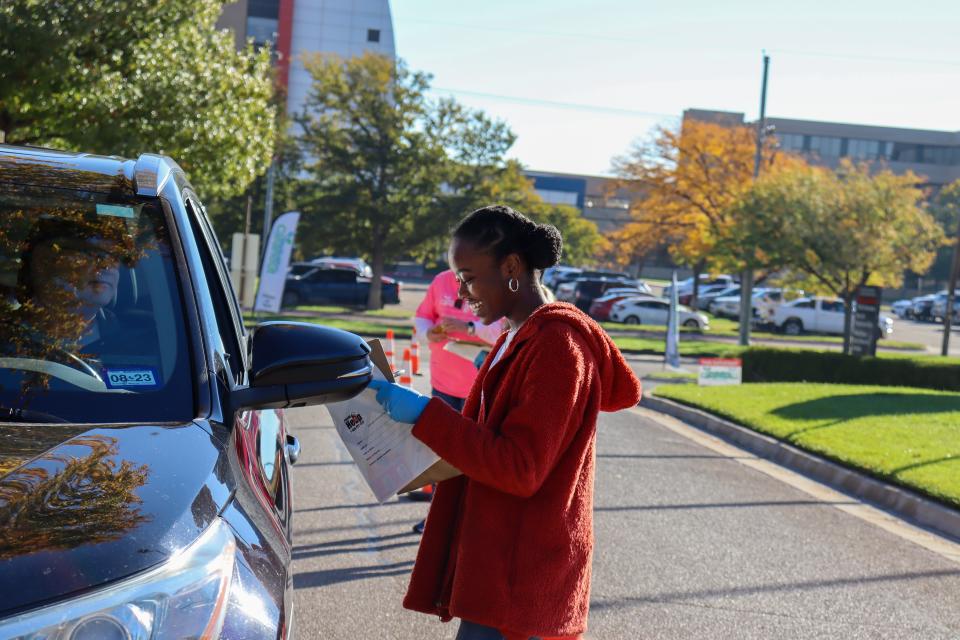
309,283
144,480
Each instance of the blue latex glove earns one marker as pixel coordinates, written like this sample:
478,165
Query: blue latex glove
403,404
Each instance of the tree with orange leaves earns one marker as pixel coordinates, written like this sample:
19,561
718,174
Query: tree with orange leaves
691,179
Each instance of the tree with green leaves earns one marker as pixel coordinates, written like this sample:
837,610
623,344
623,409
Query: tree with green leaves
123,77
391,171
838,230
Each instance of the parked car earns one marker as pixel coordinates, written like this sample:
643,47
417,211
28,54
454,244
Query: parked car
712,293
357,264
145,486
586,290
655,311
819,315
923,305
325,285
939,306
600,307
704,290
764,301
576,274
685,287
552,274
902,308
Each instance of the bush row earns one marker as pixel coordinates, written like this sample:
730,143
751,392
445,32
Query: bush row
795,365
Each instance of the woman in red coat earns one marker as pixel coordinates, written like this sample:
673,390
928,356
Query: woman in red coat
508,544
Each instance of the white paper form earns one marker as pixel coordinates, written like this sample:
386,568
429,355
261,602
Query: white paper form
388,455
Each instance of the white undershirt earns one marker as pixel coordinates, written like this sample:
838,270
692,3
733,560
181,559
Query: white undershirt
503,347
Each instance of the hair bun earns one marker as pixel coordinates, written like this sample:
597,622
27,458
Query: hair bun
545,248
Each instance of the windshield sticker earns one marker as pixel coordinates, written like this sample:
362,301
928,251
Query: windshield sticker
115,210
132,378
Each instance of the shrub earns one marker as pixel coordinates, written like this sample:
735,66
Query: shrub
795,365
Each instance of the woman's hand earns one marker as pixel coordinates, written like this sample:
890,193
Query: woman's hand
452,325
403,404
436,334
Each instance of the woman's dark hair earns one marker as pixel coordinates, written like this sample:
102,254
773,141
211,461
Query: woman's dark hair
500,231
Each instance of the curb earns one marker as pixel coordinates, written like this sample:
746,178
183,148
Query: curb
902,502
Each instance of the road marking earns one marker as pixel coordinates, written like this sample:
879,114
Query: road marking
849,504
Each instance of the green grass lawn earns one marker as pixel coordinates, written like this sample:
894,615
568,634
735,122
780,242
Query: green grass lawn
729,328
902,435
386,312
401,330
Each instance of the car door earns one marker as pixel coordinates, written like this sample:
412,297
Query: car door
653,312
830,316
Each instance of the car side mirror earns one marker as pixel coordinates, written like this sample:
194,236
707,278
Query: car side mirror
295,364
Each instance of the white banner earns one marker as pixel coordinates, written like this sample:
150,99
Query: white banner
276,260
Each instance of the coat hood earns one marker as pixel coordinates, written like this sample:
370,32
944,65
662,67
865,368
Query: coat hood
620,388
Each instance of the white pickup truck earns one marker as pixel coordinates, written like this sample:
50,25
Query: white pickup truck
818,315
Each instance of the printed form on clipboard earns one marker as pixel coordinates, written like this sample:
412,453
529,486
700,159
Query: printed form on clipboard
386,452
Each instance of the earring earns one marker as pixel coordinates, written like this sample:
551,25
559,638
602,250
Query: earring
513,284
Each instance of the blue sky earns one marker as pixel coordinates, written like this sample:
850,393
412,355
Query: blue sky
578,81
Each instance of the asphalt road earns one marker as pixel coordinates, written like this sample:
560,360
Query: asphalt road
694,539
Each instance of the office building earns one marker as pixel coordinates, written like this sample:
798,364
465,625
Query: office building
934,155
294,28
598,199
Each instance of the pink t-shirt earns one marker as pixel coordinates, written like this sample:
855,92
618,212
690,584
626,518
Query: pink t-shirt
449,373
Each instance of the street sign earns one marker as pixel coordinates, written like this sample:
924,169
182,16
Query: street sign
866,318
720,371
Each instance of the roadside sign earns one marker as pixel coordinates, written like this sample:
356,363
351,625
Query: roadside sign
276,259
866,317
720,371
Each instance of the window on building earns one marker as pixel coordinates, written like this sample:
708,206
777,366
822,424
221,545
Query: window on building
558,197
863,149
373,35
941,155
262,30
790,141
618,203
825,146
905,152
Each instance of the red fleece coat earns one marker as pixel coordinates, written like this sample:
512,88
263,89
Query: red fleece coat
509,544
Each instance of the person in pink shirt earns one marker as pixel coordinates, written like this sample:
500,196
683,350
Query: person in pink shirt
441,317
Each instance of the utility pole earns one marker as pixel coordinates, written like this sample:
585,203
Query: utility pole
948,312
746,278
268,206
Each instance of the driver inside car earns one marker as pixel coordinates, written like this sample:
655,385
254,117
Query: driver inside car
66,284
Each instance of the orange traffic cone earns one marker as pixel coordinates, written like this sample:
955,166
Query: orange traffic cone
389,350
405,378
415,355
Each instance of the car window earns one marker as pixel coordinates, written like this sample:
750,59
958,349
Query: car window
342,276
804,304
92,326
832,305
229,317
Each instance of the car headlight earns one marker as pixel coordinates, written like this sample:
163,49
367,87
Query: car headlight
185,597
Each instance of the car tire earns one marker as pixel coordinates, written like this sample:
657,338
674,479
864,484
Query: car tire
793,327
290,299
691,324
631,320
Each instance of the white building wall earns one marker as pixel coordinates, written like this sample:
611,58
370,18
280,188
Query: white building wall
334,26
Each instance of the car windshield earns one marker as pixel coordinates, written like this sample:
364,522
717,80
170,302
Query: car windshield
91,318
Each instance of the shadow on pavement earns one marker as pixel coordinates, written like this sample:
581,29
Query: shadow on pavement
328,577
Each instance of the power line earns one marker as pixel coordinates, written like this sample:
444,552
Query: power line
556,104
853,56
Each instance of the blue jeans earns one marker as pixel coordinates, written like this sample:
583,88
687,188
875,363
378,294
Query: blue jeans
473,631
453,401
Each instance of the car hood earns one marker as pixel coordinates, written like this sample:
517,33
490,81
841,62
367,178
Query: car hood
81,506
